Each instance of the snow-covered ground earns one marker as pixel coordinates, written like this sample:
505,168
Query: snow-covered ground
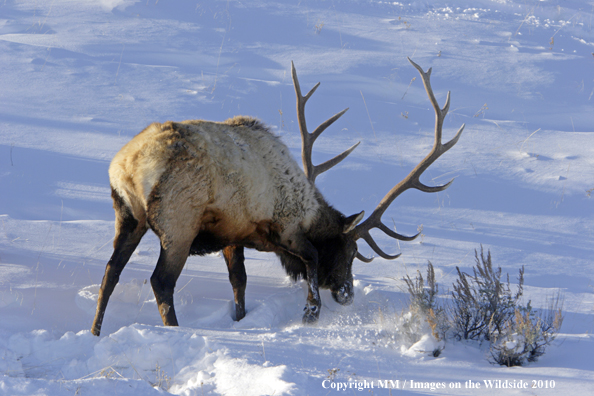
79,78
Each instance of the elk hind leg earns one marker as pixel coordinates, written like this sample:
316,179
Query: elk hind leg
235,264
129,232
169,267
174,213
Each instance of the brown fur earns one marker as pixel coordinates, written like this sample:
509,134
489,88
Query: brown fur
203,186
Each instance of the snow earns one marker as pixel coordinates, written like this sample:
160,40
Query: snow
80,78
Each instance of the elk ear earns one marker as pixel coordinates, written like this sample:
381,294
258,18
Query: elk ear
352,221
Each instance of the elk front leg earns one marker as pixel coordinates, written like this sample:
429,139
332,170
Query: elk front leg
235,264
311,312
301,247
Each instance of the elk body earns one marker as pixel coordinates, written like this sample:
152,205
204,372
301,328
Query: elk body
207,186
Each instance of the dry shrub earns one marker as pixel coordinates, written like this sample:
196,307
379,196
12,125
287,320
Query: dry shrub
481,301
483,308
424,306
525,336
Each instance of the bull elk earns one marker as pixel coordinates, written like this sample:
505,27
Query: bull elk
207,186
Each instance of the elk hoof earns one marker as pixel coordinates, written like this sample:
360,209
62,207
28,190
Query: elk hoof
311,314
239,312
344,295
96,328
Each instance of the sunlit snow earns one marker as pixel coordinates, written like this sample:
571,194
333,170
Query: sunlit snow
78,79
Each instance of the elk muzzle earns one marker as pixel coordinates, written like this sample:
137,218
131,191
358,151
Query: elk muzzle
345,294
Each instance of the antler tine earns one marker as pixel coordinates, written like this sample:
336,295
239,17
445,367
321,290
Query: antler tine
367,237
298,88
323,167
396,235
307,139
412,179
360,257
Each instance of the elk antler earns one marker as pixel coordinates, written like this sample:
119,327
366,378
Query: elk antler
308,139
410,181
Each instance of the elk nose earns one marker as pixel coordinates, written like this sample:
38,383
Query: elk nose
344,295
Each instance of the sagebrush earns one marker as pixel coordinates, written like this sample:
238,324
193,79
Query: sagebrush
525,336
424,302
481,301
483,308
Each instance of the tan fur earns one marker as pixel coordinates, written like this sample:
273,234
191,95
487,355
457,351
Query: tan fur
233,178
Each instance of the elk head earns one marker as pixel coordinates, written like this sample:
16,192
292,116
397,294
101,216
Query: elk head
344,249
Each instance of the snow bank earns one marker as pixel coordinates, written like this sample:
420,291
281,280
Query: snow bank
177,360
